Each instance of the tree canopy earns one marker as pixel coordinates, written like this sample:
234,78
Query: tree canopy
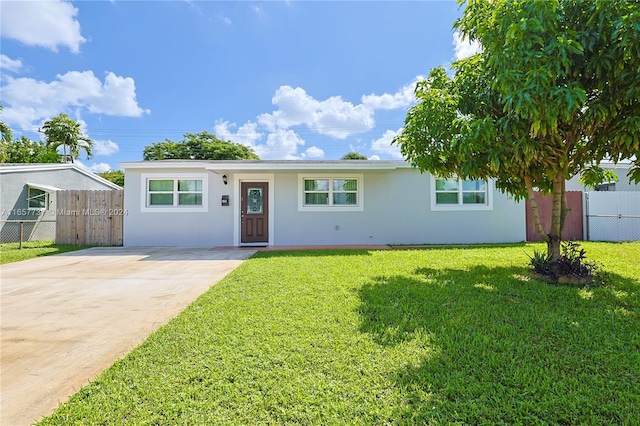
198,146
354,156
63,131
115,176
24,150
554,92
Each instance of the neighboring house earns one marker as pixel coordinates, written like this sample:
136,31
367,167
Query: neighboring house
291,203
621,169
28,193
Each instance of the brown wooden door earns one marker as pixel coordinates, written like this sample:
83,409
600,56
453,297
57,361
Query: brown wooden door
254,212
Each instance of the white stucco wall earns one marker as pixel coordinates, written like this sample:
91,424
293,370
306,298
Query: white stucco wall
397,210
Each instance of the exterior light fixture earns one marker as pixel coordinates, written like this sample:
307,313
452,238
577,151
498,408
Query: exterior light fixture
224,179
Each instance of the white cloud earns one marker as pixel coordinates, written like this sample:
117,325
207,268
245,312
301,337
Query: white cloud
42,23
383,145
225,19
463,48
8,64
401,99
107,147
281,144
313,152
99,167
374,157
247,134
28,101
332,117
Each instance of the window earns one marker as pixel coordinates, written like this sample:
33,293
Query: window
186,193
340,193
37,198
457,194
175,192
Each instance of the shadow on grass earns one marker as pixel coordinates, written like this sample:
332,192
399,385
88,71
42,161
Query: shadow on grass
504,348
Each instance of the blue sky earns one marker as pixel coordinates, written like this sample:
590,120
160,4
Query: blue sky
293,80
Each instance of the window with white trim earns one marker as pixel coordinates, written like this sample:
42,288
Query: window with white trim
335,193
173,193
459,194
37,198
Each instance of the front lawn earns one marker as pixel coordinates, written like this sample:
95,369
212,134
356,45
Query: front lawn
11,252
434,336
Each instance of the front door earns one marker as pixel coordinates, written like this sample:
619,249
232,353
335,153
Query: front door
254,212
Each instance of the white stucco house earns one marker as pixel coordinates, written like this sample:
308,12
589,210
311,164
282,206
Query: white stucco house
294,203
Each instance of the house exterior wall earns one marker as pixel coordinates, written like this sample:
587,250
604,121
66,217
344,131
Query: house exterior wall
211,227
397,210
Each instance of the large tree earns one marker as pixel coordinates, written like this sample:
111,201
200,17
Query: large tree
198,146
554,91
115,176
24,150
352,155
66,132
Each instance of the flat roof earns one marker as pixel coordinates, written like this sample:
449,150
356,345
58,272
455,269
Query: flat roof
263,165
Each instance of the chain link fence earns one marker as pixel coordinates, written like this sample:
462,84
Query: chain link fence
20,231
613,228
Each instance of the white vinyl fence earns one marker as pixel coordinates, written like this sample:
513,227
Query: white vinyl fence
612,216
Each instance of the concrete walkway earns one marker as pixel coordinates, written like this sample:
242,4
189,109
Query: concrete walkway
66,318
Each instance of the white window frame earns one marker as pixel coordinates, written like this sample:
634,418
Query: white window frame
30,197
175,208
488,205
331,207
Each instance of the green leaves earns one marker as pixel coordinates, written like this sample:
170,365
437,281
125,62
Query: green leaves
62,131
198,146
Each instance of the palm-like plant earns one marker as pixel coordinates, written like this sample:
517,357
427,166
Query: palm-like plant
65,132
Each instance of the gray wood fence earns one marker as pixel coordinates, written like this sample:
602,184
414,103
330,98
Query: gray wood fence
90,218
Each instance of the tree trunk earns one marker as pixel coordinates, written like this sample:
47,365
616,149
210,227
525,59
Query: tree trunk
558,216
534,209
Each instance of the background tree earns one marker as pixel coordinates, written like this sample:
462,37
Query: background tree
24,150
554,92
353,156
65,132
5,130
198,146
115,176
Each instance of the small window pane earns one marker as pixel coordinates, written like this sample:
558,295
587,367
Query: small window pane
255,201
446,185
37,199
473,198
316,184
189,185
315,199
161,199
345,185
194,199
344,198
161,185
473,185
447,198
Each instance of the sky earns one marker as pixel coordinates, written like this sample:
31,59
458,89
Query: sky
305,80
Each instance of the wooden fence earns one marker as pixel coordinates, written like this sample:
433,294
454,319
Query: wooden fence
90,218
573,225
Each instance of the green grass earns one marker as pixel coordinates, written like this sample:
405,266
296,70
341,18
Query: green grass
436,336
11,252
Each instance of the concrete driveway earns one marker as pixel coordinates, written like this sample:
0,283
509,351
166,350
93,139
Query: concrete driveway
66,318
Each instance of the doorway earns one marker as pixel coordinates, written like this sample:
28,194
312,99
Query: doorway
254,212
